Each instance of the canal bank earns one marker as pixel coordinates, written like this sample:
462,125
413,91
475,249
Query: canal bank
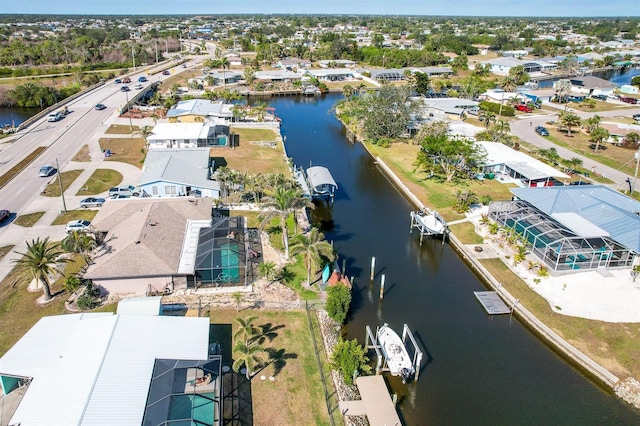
628,389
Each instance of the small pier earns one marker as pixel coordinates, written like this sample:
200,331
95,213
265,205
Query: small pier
428,223
381,362
376,403
491,302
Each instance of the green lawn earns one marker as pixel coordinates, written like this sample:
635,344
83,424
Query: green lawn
67,178
100,181
28,220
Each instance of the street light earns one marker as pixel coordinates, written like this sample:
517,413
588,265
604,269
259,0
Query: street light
64,204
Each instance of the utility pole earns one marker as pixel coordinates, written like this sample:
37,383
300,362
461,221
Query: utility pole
64,204
635,175
156,51
133,54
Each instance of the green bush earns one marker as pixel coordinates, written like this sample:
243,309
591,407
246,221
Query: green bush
507,110
338,301
348,358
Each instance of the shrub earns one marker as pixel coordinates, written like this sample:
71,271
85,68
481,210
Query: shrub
494,107
338,301
90,298
348,358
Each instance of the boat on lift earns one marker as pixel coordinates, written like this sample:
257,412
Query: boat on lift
398,360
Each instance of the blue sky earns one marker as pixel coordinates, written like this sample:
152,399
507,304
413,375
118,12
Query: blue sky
362,7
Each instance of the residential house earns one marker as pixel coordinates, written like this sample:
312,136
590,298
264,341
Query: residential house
226,77
179,172
294,63
153,245
198,111
572,228
514,53
332,74
234,59
132,367
441,108
277,76
434,71
189,135
336,63
591,85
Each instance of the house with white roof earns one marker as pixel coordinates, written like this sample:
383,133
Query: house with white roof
198,111
277,75
129,368
503,161
179,172
441,108
591,85
189,135
333,74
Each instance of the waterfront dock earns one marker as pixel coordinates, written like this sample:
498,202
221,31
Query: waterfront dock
376,403
491,302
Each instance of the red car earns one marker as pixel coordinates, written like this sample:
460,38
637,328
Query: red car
126,80
628,100
4,214
523,108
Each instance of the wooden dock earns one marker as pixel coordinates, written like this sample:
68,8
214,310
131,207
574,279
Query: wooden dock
491,302
376,403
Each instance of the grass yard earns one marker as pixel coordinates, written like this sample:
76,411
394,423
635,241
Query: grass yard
78,214
466,233
67,178
5,250
608,154
254,158
121,129
125,150
401,158
83,155
295,396
28,220
19,310
100,181
615,346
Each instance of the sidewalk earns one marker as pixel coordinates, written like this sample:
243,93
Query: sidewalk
18,236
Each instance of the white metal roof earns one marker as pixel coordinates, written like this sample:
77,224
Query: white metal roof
87,368
182,131
319,175
580,225
498,153
190,245
145,305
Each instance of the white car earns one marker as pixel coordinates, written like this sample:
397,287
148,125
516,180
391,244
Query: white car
138,86
77,225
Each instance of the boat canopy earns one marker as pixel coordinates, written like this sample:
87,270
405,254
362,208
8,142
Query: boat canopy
319,176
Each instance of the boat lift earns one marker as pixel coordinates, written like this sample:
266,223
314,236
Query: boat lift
381,362
428,222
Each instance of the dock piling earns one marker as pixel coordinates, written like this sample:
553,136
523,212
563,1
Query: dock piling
382,287
373,266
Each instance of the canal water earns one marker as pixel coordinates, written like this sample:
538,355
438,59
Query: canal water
477,369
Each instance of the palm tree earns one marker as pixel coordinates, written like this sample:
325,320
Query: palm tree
247,356
247,331
563,88
314,248
283,202
598,135
40,261
260,110
508,84
487,117
633,139
79,242
145,132
569,120
593,122
348,91
574,163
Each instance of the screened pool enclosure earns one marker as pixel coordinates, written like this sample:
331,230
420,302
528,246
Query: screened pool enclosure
558,247
221,256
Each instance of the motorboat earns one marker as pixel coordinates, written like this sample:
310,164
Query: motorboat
395,353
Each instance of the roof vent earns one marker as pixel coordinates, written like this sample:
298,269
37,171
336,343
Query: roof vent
137,241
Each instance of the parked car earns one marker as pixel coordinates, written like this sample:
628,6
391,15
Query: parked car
542,131
523,108
77,225
602,98
119,196
628,100
128,190
473,111
91,202
100,107
46,171
124,89
580,182
4,215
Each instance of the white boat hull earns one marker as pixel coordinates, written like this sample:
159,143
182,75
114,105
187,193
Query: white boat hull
395,353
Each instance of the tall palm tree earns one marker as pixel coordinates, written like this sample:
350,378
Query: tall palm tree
145,132
598,135
569,120
314,248
348,91
247,330
40,261
487,117
563,88
246,354
283,202
508,84
593,122
633,139
79,242
260,110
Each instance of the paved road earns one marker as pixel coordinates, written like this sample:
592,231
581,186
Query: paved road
524,126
